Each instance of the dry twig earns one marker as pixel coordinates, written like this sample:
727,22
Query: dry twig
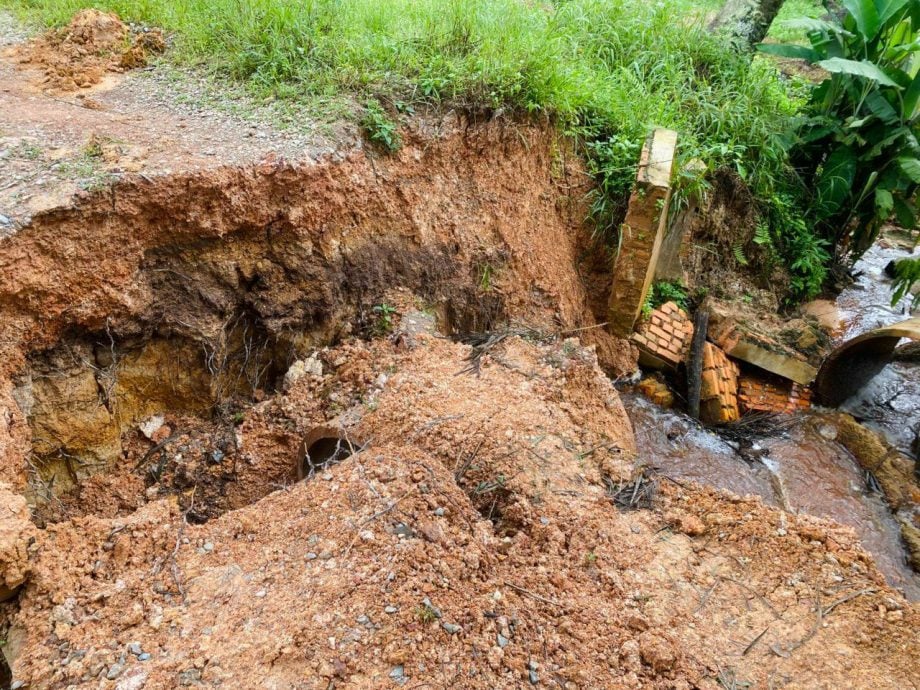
532,595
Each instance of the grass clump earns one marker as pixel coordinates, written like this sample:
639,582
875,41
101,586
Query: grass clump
606,71
379,127
782,32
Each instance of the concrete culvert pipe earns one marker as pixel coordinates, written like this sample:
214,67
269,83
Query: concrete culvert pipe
322,447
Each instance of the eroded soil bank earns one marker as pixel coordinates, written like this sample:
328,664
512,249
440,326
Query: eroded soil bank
178,350
473,540
184,291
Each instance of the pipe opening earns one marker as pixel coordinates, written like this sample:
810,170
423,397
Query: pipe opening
322,448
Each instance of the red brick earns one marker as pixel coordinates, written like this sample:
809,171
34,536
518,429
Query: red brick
658,332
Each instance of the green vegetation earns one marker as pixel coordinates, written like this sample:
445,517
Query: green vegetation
858,141
788,239
906,274
28,151
425,614
379,127
666,291
486,276
785,29
383,325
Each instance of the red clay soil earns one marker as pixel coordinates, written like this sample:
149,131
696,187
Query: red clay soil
495,528
472,542
82,53
305,249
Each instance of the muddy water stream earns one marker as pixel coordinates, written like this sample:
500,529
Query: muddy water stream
890,402
802,469
799,471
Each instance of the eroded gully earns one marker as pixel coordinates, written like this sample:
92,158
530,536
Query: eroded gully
801,468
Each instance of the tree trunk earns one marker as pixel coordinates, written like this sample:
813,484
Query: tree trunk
747,21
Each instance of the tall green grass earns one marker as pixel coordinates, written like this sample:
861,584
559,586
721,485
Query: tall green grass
604,70
794,9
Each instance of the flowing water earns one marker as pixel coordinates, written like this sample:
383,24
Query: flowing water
799,471
801,468
866,304
890,402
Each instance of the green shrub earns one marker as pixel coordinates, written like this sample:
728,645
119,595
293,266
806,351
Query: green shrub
383,325
803,253
906,274
666,291
379,128
858,141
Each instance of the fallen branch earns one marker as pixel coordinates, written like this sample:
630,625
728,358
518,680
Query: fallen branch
162,444
532,595
705,598
755,593
754,641
584,328
820,614
482,343
847,598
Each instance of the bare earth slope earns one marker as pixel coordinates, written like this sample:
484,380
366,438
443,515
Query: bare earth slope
382,572
178,343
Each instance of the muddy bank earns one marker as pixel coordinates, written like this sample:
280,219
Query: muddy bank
810,465
183,291
473,540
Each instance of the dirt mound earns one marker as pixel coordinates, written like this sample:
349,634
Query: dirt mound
472,540
94,43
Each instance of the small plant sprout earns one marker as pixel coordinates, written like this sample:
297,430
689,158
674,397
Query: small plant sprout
485,277
665,291
379,128
425,614
384,322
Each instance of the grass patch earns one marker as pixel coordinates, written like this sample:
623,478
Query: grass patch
379,128
606,71
794,9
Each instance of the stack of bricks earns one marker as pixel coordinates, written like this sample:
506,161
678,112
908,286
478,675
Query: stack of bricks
719,387
764,393
656,389
664,339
